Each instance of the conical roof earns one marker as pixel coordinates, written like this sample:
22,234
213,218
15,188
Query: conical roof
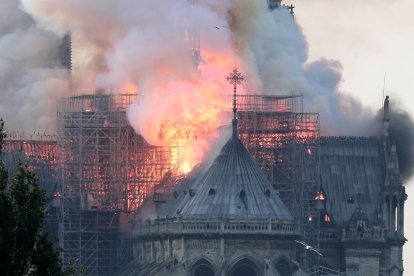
233,187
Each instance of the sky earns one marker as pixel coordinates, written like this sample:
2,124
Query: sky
371,39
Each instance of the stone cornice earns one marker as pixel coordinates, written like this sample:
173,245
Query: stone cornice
395,241
164,236
363,244
388,269
362,252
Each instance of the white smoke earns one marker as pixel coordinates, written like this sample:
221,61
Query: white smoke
31,79
121,44
135,45
145,45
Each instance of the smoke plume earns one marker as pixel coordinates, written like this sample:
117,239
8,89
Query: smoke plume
276,53
146,46
402,133
31,77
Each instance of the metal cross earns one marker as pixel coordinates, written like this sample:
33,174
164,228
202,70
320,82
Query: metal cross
291,8
235,78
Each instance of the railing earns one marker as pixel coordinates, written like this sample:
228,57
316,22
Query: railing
119,102
329,235
360,235
39,137
349,140
262,103
217,227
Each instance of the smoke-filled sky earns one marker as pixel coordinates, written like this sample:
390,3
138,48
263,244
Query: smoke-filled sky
30,77
129,46
336,55
141,45
369,38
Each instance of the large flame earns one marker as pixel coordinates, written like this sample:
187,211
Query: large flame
183,95
185,114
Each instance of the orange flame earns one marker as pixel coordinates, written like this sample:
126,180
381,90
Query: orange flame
187,115
186,112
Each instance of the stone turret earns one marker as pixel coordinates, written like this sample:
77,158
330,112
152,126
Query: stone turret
393,202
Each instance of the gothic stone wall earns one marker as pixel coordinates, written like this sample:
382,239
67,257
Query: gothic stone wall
190,250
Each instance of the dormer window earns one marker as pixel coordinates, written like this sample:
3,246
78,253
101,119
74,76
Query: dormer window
243,197
211,192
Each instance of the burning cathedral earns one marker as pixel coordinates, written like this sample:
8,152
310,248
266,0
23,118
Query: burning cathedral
278,199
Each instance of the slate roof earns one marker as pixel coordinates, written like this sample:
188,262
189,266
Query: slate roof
233,187
352,175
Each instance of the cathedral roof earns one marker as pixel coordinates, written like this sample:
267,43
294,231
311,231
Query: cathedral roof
352,173
233,187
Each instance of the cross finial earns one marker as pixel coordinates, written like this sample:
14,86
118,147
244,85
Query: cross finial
291,8
235,78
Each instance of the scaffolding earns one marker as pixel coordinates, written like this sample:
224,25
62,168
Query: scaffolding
104,171
107,171
39,153
284,142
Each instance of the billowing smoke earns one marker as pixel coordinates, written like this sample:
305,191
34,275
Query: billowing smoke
31,75
146,46
276,53
402,133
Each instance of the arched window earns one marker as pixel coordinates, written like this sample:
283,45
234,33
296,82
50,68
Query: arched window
203,268
283,268
244,267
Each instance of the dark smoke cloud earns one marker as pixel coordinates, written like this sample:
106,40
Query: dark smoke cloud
402,133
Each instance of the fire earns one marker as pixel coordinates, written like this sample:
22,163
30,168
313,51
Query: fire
183,106
188,121
129,88
185,167
186,112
